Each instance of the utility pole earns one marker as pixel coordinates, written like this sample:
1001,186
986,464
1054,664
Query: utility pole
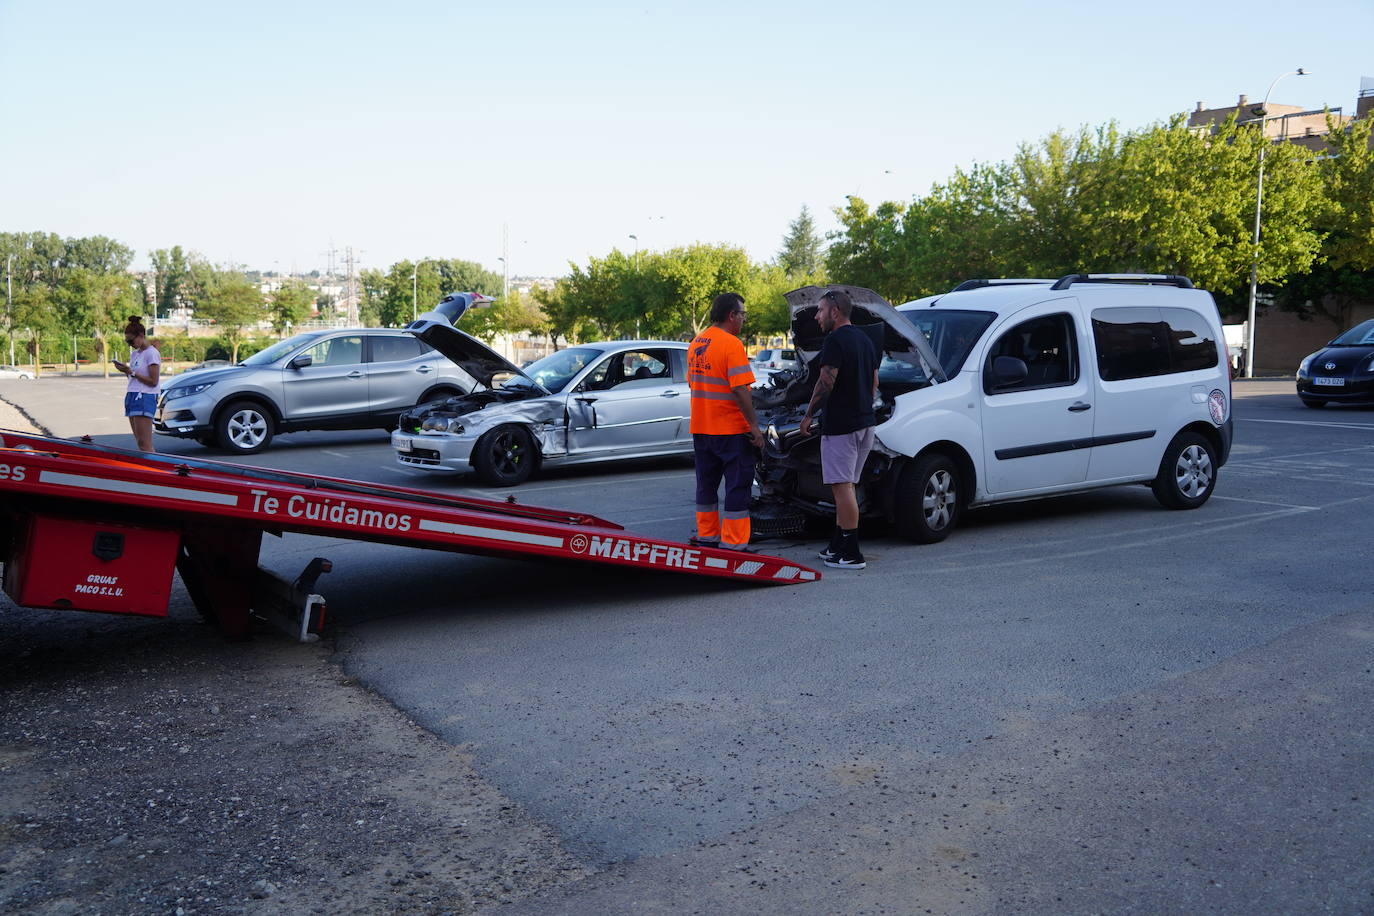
351,289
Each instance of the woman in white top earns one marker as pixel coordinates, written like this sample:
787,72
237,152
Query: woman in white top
143,369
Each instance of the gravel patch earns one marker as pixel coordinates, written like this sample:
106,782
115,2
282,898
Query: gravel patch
153,767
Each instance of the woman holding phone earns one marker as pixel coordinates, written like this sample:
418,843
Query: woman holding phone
143,369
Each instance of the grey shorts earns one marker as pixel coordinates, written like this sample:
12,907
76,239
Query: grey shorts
843,456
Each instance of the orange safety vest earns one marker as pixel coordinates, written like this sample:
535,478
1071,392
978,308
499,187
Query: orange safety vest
716,362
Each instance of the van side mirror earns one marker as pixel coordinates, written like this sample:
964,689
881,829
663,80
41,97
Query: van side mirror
300,362
1008,370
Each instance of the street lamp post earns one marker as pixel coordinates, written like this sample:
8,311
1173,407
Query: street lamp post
414,289
505,278
9,305
636,238
1255,242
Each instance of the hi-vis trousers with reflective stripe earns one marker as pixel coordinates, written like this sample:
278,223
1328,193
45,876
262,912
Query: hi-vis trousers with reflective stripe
730,458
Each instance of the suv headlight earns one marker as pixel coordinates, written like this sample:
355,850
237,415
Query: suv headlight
182,391
442,425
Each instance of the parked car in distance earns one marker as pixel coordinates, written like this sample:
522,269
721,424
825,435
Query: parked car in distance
15,372
1006,392
331,379
774,360
1342,372
588,403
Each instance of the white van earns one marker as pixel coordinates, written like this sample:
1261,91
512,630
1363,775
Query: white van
1003,391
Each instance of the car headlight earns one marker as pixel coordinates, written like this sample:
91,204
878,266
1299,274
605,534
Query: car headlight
182,391
1306,364
442,425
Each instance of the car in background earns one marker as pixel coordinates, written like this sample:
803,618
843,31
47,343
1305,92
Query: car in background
1342,372
773,360
15,372
588,403
331,379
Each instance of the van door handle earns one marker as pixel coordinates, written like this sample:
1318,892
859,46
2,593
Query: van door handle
1080,406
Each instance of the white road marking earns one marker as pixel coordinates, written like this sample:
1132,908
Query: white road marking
494,534
1262,502
1369,426
141,489
335,454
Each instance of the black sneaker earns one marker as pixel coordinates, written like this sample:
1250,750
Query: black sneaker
847,555
833,549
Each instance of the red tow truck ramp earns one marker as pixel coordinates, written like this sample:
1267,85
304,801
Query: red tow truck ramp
97,528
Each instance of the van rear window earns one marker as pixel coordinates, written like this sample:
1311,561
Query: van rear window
1141,342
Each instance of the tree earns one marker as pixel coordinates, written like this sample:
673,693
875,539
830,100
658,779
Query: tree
291,305
232,303
171,275
867,250
801,247
1344,273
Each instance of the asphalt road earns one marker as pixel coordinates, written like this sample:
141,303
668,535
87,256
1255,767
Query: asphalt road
1083,704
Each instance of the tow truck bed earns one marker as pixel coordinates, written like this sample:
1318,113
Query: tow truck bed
73,511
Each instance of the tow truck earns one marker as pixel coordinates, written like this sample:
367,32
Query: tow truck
97,528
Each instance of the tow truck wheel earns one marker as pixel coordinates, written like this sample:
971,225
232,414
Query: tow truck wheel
506,456
927,505
244,428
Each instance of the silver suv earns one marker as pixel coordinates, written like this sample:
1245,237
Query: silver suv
334,379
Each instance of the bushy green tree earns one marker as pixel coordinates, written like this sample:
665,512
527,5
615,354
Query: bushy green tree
227,298
291,305
802,247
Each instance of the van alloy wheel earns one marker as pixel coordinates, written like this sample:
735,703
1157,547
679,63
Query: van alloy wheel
927,506
1188,472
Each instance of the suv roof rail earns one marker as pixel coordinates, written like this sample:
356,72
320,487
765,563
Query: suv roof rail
1068,280
980,283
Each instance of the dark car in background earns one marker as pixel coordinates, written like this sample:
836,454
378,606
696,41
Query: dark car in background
1342,372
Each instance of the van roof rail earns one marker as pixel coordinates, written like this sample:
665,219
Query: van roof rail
1068,280
980,283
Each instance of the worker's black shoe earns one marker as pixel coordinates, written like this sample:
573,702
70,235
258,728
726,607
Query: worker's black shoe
703,542
739,548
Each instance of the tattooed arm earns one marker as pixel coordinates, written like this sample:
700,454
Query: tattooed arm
823,386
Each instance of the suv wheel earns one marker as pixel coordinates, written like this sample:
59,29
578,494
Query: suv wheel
244,427
927,505
506,456
1187,474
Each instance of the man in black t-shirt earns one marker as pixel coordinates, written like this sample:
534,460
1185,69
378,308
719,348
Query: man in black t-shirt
847,384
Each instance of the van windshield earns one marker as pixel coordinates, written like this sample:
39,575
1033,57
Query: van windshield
951,332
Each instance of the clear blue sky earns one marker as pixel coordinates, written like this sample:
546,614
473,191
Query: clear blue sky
258,132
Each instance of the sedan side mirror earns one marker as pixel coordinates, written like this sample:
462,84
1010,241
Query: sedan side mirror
300,362
1008,370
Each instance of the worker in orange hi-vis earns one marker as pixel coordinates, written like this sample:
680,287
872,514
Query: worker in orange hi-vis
725,430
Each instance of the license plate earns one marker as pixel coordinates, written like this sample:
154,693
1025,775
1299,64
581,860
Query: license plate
1329,382
402,443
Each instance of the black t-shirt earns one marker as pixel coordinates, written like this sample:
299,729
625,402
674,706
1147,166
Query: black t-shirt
850,405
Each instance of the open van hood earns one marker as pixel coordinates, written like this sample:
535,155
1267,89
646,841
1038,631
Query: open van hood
872,314
478,360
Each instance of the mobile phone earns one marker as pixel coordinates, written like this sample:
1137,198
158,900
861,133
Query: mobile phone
120,366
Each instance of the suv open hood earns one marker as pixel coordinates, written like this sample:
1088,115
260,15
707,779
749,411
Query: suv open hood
872,313
468,353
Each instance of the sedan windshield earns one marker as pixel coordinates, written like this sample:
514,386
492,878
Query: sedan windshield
951,333
1361,335
277,350
555,370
